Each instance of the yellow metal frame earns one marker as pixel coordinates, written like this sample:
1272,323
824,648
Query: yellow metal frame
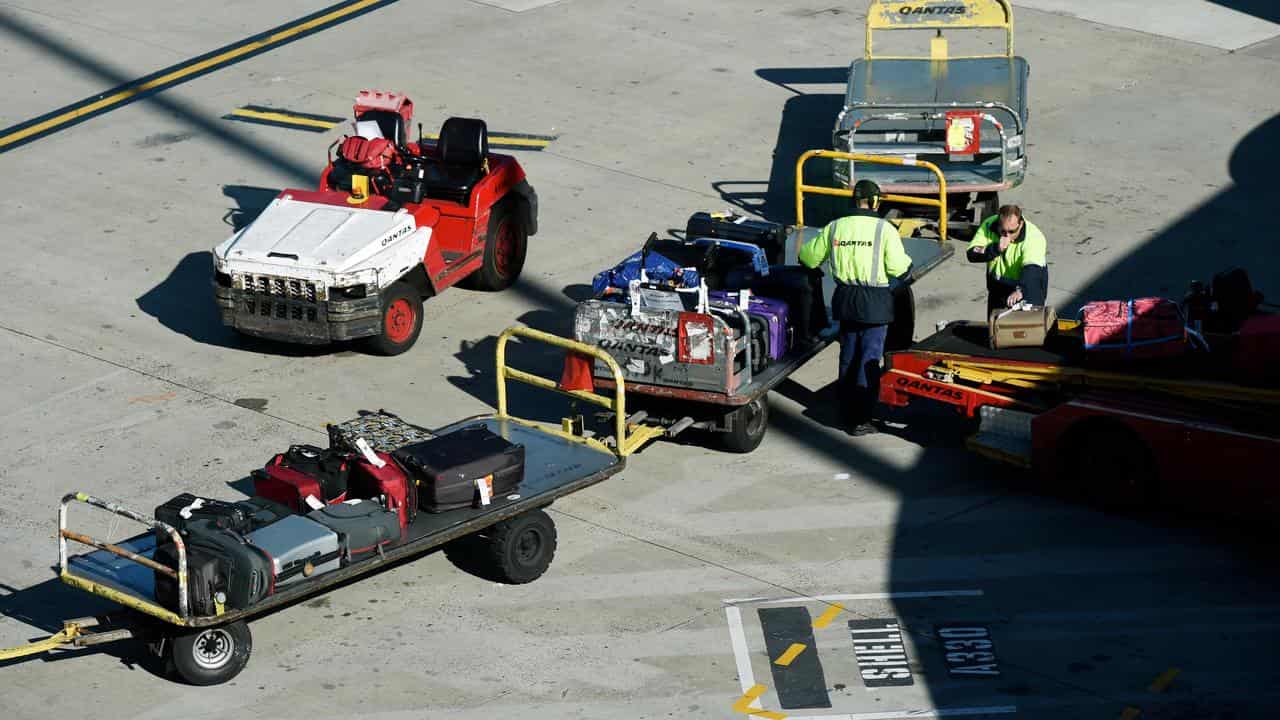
977,15
125,599
629,437
65,636
997,455
802,188
1033,377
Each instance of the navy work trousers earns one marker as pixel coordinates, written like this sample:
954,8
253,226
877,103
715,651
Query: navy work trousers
861,349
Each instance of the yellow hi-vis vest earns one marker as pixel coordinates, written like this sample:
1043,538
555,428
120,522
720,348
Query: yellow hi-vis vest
863,251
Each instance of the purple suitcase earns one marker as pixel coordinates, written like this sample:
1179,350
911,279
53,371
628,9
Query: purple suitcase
774,314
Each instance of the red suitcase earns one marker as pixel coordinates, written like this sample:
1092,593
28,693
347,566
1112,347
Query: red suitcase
1138,329
390,480
303,472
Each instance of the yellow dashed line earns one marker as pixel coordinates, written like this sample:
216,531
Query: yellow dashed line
282,118
743,705
505,140
825,618
183,72
791,654
1164,680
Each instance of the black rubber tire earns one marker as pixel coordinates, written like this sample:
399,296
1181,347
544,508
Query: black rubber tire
1112,467
391,338
515,551
747,427
497,273
211,656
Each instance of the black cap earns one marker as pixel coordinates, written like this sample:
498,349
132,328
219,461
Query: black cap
865,190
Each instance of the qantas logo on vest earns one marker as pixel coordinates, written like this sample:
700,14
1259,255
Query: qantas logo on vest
928,388
932,10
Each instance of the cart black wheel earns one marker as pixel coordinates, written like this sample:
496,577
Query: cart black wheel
401,320
747,426
211,656
1112,467
521,548
505,246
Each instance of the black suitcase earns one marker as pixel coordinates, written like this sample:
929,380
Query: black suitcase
446,468
716,266
205,578
363,527
244,572
801,289
242,516
1236,300
330,467
770,236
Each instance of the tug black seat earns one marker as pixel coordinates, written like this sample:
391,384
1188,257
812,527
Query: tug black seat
464,145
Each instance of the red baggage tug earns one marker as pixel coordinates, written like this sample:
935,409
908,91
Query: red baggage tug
391,223
1125,435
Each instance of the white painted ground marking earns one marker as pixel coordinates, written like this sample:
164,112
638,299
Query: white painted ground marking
741,655
857,596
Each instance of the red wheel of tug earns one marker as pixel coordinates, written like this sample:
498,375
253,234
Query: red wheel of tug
401,320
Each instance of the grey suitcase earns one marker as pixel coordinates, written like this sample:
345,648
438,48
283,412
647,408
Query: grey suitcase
298,547
364,527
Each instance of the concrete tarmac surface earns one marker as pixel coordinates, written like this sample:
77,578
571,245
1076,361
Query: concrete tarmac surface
1152,146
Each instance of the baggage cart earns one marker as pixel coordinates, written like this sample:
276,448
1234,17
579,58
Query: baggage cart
966,113
511,540
723,395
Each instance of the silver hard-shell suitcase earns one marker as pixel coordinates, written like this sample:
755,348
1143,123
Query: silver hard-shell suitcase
298,547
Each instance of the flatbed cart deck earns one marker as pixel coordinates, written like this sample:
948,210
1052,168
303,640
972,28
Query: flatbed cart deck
966,113
740,412
558,462
1127,437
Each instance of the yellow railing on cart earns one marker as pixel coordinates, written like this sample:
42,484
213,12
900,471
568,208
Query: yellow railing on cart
802,188
953,14
628,439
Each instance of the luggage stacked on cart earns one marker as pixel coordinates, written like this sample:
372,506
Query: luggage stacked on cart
737,260
383,431
469,467
1118,331
314,510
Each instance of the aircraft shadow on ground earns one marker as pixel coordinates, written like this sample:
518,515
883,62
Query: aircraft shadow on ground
1268,10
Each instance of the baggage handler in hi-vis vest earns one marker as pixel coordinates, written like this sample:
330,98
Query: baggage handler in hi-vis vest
1016,255
868,262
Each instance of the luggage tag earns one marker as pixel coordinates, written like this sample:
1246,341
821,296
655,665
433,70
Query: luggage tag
313,503
185,513
363,446
485,486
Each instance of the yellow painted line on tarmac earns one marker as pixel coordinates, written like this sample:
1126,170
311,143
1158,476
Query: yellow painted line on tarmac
510,140
1164,680
825,618
791,654
283,118
164,78
743,705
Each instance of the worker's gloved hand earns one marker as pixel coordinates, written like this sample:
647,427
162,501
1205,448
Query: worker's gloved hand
1015,298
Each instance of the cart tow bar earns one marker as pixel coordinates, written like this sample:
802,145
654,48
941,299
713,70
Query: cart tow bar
680,426
73,633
